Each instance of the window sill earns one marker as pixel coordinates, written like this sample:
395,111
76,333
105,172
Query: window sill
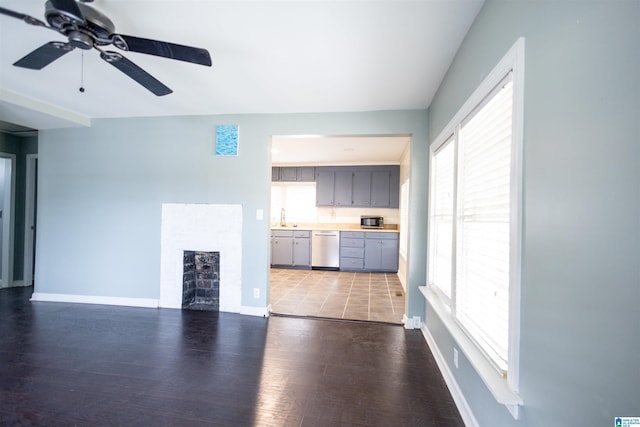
496,384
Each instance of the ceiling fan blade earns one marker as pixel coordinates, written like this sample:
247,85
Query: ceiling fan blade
167,50
135,72
26,18
44,55
69,8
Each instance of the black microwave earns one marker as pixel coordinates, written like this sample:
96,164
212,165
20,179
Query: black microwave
367,221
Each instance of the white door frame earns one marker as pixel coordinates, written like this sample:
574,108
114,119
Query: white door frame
29,217
7,222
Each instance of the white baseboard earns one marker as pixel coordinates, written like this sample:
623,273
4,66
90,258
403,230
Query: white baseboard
411,322
255,311
91,299
458,397
135,302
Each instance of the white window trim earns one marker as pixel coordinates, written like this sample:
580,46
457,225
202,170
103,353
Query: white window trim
504,391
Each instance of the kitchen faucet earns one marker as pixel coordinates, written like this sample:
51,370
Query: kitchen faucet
282,218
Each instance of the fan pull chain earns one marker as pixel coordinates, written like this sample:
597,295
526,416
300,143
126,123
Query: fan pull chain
81,72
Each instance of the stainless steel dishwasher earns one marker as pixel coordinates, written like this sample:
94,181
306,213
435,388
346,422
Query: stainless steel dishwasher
325,249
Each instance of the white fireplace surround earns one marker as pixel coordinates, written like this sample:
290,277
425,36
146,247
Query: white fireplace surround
201,227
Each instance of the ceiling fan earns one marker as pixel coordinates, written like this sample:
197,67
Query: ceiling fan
86,28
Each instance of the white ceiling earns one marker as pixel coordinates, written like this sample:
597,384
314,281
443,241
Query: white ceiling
268,57
338,150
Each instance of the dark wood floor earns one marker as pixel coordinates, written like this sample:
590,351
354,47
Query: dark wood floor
88,365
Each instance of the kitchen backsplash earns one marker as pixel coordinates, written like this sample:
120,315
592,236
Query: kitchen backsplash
299,201
352,215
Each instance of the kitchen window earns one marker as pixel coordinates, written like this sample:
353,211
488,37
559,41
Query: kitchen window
473,265
298,199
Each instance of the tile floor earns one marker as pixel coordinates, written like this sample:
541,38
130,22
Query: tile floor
340,295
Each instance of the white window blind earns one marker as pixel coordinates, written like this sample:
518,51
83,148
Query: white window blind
483,224
442,181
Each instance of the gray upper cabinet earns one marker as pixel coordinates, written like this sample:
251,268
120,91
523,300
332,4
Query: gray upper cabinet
358,186
353,188
361,195
381,189
394,188
293,174
306,174
288,174
325,182
343,189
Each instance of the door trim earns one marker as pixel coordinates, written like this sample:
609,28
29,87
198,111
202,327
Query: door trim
6,279
29,217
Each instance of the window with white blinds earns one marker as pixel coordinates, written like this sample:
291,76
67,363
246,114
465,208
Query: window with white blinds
441,224
470,248
483,224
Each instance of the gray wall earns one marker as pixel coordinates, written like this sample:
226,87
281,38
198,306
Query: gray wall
20,146
580,336
101,190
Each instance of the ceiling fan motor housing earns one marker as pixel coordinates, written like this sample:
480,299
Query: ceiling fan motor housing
92,28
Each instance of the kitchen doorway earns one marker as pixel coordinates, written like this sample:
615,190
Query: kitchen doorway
362,296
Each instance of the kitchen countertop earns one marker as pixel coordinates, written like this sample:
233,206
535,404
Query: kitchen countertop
389,228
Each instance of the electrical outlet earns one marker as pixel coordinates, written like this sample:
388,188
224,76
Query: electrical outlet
256,293
455,357
416,322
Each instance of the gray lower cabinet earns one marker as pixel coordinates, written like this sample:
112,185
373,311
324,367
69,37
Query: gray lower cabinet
282,248
302,248
291,248
351,251
381,251
369,251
